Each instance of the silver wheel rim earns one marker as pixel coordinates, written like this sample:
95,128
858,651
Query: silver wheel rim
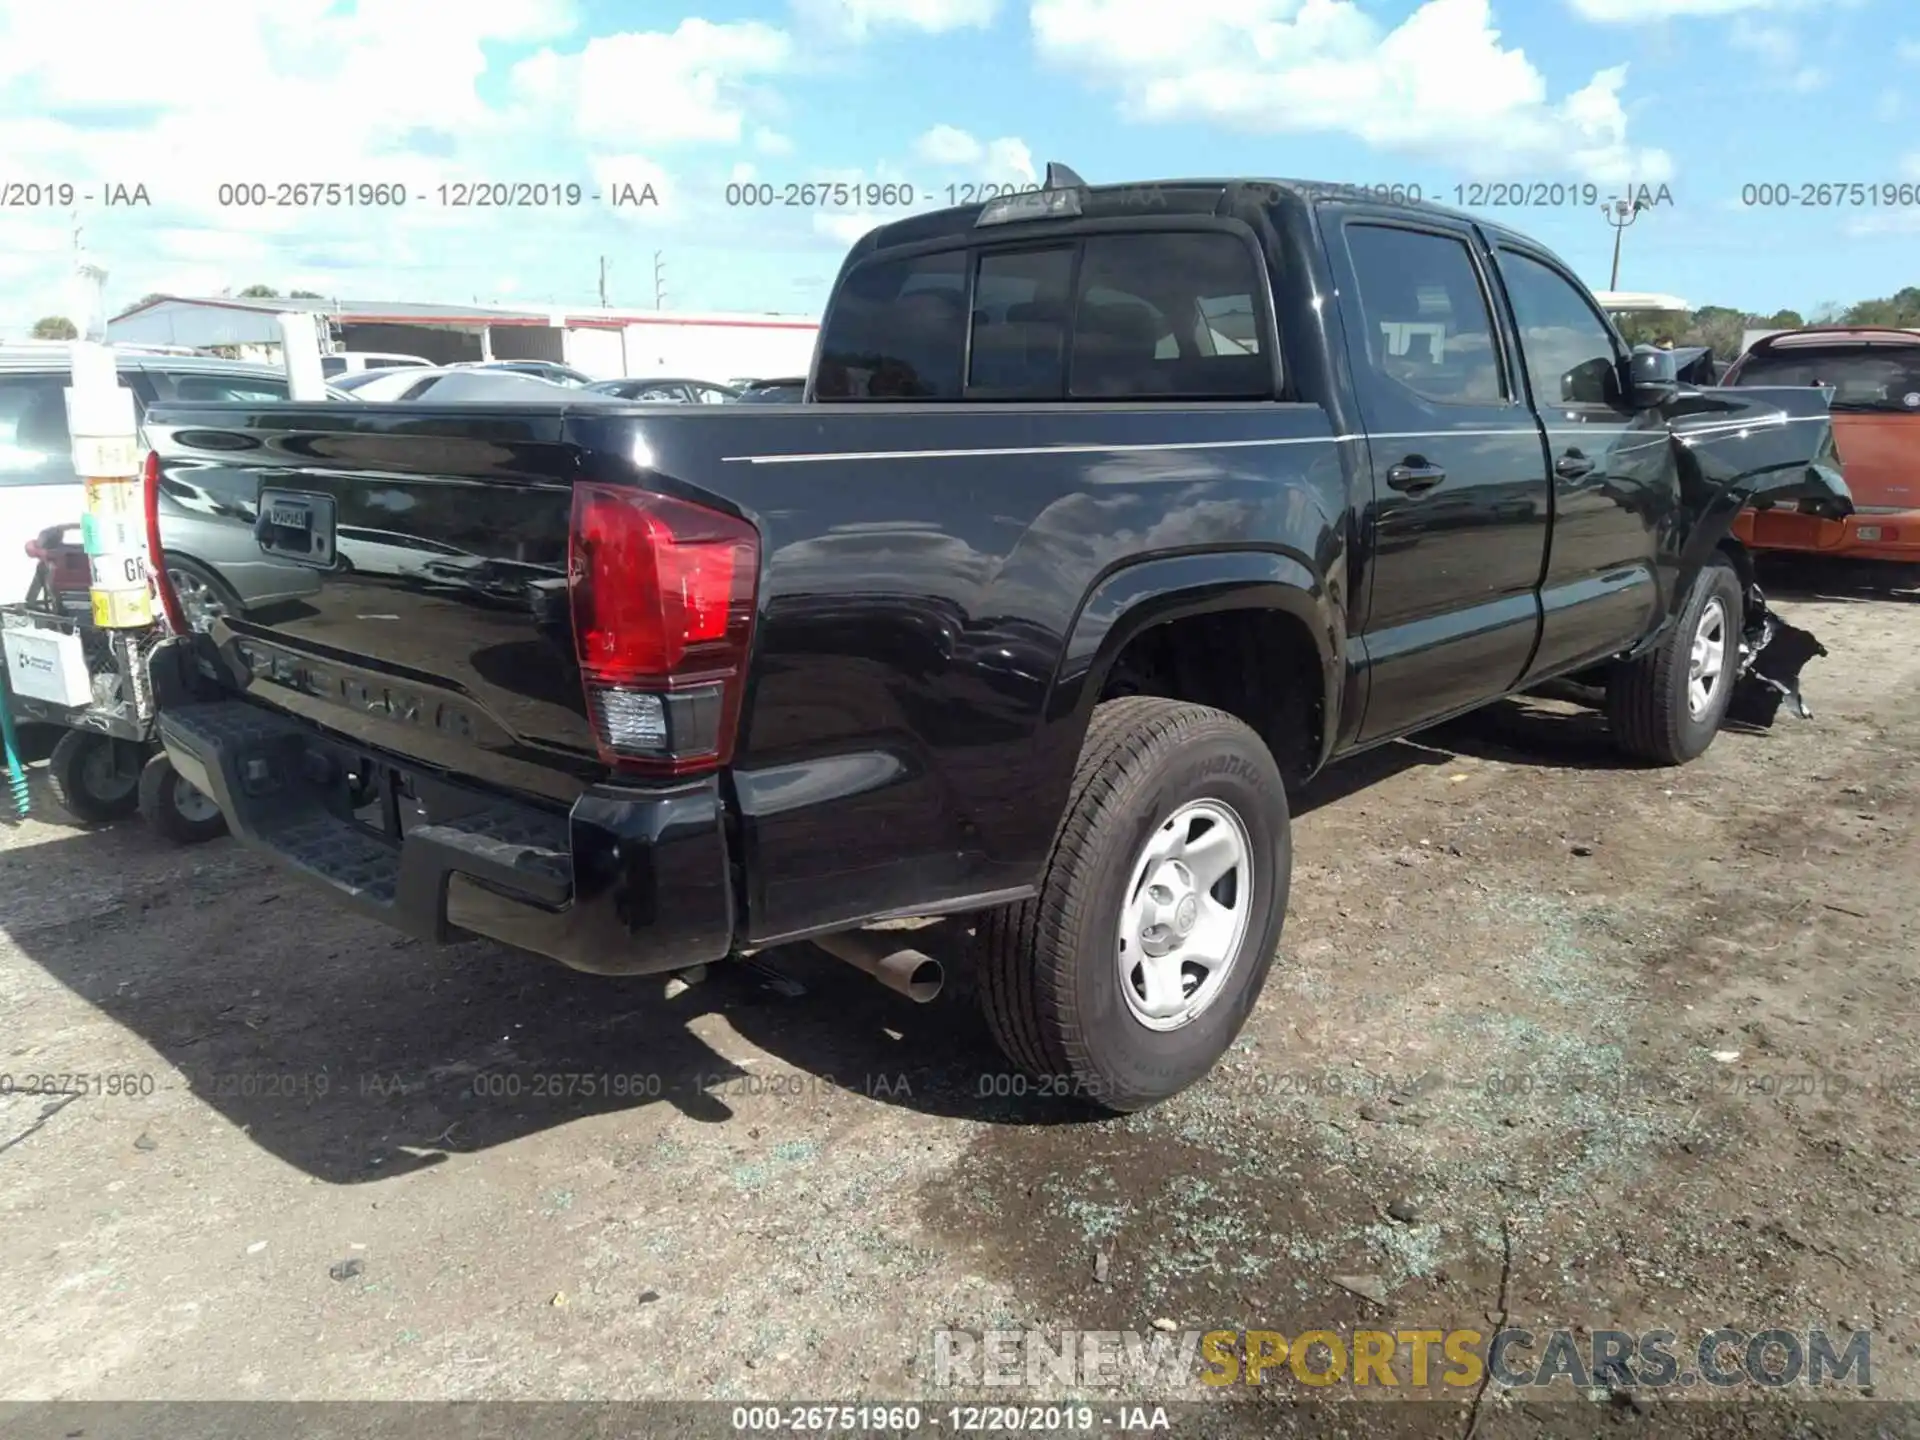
191,804
1709,658
198,600
101,774
1185,916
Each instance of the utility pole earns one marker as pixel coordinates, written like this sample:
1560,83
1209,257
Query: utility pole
659,280
1627,212
603,282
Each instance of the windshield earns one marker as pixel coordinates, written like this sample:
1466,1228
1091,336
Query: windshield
1880,377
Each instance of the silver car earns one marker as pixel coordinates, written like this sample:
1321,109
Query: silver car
212,557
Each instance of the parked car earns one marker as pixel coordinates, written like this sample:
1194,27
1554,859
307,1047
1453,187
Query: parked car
342,363
1874,374
210,537
1040,615
773,392
542,369
675,392
348,384
456,382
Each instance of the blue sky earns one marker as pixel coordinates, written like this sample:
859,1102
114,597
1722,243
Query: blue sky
1704,97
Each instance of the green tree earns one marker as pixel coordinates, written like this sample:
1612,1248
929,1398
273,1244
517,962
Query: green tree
305,295
259,292
1719,328
54,327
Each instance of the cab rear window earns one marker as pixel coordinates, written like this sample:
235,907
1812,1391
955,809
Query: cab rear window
1164,315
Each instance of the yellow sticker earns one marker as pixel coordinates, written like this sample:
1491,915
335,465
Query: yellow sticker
123,609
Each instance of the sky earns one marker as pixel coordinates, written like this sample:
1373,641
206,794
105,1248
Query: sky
165,120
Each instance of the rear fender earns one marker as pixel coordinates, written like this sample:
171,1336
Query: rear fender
1735,446
1132,600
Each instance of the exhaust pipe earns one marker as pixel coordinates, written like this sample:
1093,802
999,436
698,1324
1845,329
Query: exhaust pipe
905,971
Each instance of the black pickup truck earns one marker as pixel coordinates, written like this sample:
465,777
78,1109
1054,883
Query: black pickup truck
1111,513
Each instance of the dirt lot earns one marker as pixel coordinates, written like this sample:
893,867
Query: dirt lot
1508,993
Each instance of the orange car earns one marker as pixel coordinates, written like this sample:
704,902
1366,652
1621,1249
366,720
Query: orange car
1874,373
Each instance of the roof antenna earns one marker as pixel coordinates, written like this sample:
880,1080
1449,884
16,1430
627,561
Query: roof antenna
1059,177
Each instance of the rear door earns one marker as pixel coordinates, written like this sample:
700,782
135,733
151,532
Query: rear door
1460,502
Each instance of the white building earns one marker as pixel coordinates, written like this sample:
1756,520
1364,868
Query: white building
606,344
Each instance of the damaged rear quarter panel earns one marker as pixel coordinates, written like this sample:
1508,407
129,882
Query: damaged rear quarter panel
1735,446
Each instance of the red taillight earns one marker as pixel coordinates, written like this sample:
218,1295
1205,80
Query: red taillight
156,557
662,595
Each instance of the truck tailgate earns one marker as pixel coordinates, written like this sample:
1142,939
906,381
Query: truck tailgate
435,621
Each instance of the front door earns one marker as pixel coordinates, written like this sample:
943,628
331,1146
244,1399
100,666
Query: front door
1460,508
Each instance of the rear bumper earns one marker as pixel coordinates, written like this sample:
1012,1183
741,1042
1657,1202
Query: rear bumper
1891,535
630,882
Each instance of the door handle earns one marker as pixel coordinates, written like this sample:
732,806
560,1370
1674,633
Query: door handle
1414,476
1572,465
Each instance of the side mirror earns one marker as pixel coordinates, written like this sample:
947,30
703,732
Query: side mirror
1652,379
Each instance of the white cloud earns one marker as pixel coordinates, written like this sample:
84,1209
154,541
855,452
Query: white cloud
948,145
1634,12
859,19
656,88
1887,106
1439,84
1910,50
1807,79
1911,165
317,92
1010,159
1004,159
1773,43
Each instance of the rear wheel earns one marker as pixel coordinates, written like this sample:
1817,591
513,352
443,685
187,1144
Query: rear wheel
1667,705
1130,972
204,597
94,777
175,808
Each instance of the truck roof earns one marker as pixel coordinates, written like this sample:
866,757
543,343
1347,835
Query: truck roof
1192,196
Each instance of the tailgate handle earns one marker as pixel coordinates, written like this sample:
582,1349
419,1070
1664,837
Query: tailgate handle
1414,476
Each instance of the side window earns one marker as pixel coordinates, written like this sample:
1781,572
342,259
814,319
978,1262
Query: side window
333,365
1569,349
1428,327
1020,323
898,331
1168,316
35,448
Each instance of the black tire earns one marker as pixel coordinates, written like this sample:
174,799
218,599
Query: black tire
94,777
167,804
1648,710
1049,972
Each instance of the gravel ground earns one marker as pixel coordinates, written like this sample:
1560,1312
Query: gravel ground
1631,1048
